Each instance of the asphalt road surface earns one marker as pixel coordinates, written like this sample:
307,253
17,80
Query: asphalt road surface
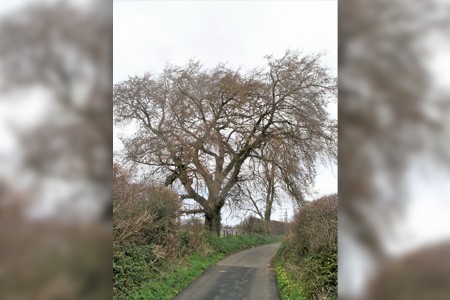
246,275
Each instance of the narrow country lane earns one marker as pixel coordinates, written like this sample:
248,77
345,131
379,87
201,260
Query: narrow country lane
246,275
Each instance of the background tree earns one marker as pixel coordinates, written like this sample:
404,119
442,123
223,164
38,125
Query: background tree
256,194
272,174
198,128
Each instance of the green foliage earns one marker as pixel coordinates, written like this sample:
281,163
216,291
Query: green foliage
132,266
175,278
320,274
290,288
310,277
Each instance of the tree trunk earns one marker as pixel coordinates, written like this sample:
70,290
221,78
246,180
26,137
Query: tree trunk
268,212
270,193
212,220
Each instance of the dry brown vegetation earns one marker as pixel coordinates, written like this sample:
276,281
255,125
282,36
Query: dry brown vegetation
314,228
143,213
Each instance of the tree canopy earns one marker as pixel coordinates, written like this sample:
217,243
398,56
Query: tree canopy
200,128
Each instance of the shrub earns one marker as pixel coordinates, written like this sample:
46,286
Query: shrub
277,227
315,227
252,225
163,205
143,214
193,238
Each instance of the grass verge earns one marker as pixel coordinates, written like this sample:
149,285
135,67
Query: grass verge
289,286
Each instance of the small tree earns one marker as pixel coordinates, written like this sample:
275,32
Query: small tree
275,173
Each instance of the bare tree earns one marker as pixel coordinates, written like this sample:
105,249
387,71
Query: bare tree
267,186
200,127
256,194
274,174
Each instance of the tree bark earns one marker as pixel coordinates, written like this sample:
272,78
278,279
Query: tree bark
213,220
268,213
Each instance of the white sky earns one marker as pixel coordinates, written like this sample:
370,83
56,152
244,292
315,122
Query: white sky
150,34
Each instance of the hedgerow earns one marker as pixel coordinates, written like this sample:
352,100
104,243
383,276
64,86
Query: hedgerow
306,264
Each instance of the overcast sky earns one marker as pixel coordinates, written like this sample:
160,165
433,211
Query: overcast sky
150,34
